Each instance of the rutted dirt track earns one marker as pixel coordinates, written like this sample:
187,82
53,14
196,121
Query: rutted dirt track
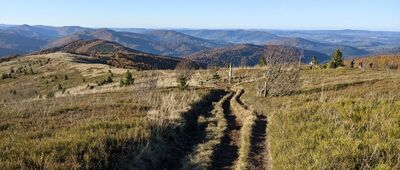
182,140
242,143
228,152
259,152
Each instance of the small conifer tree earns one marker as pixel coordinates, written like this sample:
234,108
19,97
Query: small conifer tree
314,60
337,59
262,62
109,79
129,80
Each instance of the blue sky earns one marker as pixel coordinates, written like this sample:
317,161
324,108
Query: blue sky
257,14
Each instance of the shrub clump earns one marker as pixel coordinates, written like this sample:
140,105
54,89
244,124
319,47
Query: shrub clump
336,60
108,80
128,80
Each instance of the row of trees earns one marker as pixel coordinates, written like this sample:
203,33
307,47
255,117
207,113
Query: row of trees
20,70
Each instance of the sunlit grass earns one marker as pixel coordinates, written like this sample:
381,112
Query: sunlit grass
348,126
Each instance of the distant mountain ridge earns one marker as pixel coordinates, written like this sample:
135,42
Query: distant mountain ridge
168,43
178,44
249,55
361,39
24,39
45,32
263,38
160,42
106,52
325,48
12,42
233,36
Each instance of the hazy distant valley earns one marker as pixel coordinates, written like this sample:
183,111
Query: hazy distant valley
25,39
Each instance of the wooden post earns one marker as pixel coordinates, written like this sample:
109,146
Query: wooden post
230,73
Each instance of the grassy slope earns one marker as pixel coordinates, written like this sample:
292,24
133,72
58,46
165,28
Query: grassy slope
342,119
104,127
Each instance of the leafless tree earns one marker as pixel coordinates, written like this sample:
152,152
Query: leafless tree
282,71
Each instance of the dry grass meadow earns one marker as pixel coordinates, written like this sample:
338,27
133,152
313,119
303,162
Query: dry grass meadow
55,113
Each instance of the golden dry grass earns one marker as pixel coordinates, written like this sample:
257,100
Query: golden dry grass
340,119
104,127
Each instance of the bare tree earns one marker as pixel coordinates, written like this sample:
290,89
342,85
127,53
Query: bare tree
282,71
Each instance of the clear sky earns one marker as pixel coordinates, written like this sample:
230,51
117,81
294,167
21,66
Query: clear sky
257,14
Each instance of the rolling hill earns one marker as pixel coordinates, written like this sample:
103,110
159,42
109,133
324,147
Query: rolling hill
243,54
394,50
111,53
249,55
325,48
233,36
362,39
45,32
156,42
177,44
265,37
14,43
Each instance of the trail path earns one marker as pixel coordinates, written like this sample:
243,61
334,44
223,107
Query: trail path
227,153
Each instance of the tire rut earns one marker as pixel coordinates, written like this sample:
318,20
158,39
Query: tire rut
183,139
258,153
259,149
228,152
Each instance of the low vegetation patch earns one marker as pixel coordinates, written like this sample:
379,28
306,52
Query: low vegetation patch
355,127
98,131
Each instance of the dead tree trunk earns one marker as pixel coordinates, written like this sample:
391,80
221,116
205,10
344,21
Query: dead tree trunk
230,73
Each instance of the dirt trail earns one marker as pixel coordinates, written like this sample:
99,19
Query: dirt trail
226,155
182,139
228,152
259,151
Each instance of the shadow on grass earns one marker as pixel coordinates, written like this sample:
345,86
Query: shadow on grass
227,153
181,140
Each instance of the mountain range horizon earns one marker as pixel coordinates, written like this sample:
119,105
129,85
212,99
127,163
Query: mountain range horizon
219,45
204,28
